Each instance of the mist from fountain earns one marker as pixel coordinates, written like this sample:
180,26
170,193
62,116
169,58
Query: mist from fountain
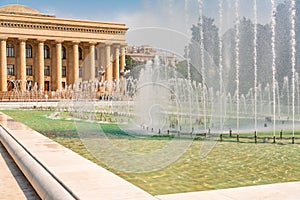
293,57
255,64
202,63
237,63
286,93
298,93
273,26
221,65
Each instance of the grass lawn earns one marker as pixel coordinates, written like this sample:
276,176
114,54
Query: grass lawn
229,164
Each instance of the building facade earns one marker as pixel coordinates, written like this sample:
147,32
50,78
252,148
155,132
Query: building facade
49,53
145,53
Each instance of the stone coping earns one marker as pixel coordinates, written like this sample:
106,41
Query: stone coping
80,177
281,191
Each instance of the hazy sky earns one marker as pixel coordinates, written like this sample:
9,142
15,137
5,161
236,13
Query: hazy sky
145,13
174,15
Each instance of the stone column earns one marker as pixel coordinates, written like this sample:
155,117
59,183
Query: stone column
3,66
117,63
102,57
21,72
40,65
108,65
58,67
92,62
75,75
108,68
122,69
102,62
123,63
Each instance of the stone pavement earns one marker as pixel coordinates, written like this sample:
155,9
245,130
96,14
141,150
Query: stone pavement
281,191
80,177
13,184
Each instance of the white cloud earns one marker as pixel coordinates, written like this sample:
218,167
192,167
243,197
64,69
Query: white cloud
172,15
160,14
161,24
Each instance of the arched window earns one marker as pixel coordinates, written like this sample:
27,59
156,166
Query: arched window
80,53
10,50
46,52
28,51
63,53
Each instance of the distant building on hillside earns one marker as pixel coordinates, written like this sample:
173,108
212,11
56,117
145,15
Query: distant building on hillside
145,52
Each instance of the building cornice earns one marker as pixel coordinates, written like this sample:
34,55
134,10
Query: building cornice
63,27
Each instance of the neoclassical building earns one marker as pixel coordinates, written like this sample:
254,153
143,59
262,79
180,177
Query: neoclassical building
49,52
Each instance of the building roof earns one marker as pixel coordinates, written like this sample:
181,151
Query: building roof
19,9
18,21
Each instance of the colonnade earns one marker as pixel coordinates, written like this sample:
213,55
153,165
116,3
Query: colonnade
108,57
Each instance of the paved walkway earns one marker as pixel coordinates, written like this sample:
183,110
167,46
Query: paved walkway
13,184
82,178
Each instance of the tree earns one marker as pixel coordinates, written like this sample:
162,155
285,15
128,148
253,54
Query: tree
131,63
211,51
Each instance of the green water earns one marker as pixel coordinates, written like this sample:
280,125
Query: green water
229,164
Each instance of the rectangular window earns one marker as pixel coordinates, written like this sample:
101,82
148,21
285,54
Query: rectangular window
64,71
47,71
80,72
46,52
28,70
11,70
28,51
10,50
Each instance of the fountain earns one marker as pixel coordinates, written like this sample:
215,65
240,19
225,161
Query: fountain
273,26
255,64
293,59
158,99
221,97
237,64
